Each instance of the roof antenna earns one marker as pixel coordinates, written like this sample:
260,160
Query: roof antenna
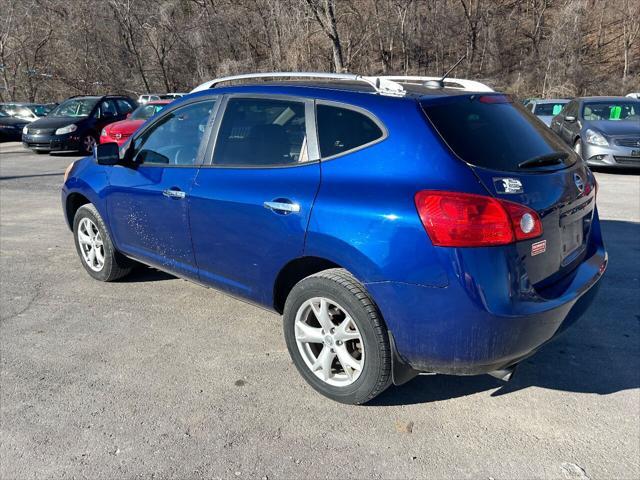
440,82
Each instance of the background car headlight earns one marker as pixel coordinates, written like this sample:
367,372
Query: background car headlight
103,133
594,138
67,129
25,130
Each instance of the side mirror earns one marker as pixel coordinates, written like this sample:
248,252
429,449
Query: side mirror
570,118
108,154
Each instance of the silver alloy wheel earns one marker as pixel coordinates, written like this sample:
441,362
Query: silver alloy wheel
88,143
91,244
329,341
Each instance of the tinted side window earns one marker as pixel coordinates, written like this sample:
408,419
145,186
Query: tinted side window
123,106
571,109
261,132
342,129
108,109
175,138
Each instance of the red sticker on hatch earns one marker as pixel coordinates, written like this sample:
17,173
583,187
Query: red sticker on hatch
538,248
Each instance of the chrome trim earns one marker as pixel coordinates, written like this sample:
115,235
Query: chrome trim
282,207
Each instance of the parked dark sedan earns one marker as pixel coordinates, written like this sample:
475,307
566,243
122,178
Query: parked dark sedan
76,123
10,127
605,131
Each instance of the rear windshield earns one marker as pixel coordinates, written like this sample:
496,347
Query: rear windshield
492,131
548,109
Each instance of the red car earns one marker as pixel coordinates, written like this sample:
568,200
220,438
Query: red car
120,132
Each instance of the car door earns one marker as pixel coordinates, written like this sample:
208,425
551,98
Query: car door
105,114
148,202
568,127
250,205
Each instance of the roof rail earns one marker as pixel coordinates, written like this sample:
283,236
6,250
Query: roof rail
381,85
457,83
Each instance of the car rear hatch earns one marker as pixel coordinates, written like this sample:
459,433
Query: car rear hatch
520,160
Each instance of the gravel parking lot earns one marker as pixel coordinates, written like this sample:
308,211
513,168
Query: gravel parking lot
158,377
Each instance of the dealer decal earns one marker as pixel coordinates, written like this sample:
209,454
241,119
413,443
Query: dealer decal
508,185
538,248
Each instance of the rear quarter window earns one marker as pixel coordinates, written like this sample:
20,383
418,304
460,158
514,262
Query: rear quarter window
342,129
491,131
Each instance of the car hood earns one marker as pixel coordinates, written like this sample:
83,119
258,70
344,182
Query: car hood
124,126
18,122
54,122
610,127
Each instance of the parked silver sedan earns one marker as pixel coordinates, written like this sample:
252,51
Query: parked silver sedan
546,108
605,131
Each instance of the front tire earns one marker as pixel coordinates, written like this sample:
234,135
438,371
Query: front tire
337,338
95,248
87,143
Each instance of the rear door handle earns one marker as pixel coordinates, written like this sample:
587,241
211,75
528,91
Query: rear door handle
282,206
174,193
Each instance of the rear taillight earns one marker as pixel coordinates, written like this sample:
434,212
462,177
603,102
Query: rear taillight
454,219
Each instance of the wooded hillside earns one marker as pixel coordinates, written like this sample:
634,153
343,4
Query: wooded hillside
51,49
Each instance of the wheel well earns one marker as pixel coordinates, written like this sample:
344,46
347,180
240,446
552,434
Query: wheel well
74,202
292,273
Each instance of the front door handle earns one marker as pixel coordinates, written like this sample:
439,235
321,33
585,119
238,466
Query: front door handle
282,206
174,193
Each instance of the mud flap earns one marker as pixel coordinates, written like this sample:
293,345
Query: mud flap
401,372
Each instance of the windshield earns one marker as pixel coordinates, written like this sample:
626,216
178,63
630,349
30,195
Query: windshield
40,110
145,111
18,111
548,109
492,131
614,111
76,107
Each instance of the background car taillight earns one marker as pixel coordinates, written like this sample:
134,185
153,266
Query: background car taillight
454,219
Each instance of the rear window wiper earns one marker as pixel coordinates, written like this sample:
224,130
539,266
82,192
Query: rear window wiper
552,158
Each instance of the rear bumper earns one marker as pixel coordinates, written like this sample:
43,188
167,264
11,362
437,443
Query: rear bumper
459,330
52,143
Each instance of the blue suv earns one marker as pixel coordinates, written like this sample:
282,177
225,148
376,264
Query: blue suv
400,225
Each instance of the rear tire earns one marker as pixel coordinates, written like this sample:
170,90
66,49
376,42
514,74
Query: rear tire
95,248
336,337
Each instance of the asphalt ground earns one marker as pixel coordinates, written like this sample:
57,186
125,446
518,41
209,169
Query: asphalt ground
156,377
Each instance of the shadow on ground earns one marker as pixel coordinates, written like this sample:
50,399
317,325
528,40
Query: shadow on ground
599,354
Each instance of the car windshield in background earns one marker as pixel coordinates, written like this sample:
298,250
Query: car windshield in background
548,109
18,111
614,111
74,108
146,111
492,131
40,110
